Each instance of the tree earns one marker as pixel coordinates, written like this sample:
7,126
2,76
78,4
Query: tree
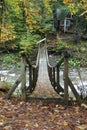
6,29
79,10
75,6
38,15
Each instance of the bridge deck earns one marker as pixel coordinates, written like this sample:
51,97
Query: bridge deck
43,88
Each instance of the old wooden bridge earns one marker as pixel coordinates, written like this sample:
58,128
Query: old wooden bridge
44,79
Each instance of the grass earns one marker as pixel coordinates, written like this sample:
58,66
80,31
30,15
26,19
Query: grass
10,59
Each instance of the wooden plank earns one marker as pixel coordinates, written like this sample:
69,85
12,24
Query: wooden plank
8,95
66,80
74,91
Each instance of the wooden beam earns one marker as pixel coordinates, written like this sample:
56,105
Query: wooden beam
74,91
14,87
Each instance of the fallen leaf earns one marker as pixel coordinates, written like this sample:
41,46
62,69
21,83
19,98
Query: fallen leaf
81,127
8,128
53,117
65,123
36,125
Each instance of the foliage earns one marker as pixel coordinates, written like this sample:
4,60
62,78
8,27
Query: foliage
75,6
78,52
21,15
29,43
10,59
7,33
38,15
9,8
74,62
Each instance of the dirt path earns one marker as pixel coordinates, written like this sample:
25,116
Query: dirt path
43,87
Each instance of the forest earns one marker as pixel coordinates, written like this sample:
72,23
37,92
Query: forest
63,23
24,22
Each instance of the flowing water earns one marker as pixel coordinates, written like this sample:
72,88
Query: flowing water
78,77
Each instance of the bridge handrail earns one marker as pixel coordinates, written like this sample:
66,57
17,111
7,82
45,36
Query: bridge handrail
33,75
53,71
33,69
57,64
38,55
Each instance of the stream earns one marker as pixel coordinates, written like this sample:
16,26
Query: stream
79,80
11,74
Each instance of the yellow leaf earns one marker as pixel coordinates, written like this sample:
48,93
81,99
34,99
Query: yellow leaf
65,123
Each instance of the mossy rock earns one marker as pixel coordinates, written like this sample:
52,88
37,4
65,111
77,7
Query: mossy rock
4,86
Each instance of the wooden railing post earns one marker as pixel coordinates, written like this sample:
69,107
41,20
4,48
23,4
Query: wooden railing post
23,84
50,72
53,77
30,77
66,79
58,78
34,77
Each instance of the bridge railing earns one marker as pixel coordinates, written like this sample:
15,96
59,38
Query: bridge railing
33,75
54,76
53,72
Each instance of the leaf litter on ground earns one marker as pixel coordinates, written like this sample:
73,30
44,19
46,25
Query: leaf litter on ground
38,115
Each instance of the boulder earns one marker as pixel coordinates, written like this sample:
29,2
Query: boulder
4,86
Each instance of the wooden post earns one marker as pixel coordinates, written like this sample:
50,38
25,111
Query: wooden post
30,77
23,84
59,88
53,76
37,73
50,73
58,78
66,80
34,78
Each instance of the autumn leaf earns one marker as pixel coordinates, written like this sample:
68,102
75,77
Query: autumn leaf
65,123
82,127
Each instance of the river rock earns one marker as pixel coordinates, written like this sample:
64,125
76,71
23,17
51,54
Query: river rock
4,86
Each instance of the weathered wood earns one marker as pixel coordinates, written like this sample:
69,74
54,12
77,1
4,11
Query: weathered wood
30,78
50,73
59,88
58,78
14,87
53,77
34,77
18,80
74,91
23,84
66,80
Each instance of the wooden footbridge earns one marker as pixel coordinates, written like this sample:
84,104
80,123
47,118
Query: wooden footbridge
44,79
